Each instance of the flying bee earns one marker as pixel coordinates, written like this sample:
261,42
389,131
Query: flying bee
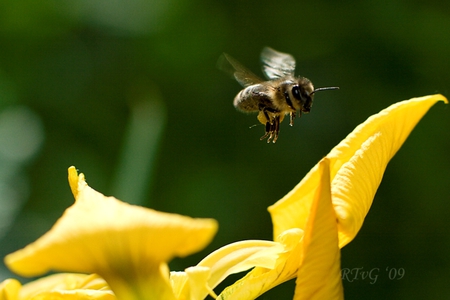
281,94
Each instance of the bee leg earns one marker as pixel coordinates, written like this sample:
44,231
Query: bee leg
272,130
292,114
271,133
276,129
269,120
268,126
272,123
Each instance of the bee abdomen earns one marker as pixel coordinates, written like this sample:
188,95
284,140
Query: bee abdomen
251,98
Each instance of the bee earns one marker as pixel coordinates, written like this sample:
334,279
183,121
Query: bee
282,94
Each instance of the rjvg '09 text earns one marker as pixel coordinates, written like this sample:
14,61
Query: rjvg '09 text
371,275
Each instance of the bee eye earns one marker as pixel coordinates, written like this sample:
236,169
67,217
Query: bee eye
296,93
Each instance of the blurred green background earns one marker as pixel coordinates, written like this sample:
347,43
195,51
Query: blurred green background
129,93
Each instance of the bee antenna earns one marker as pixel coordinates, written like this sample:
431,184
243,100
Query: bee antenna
325,88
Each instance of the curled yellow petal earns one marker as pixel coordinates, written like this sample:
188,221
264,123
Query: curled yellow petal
240,256
127,245
359,161
261,279
357,165
198,281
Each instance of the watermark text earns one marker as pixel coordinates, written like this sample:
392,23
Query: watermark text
371,275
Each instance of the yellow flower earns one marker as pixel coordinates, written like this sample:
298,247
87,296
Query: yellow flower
58,286
129,246
345,181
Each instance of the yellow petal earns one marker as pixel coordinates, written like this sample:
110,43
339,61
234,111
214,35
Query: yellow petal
360,160
198,276
9,289
76,182
58,286
261,279
357,165
230,259
240,256
68,286
127,245
293,209
313,256
179,282
319,276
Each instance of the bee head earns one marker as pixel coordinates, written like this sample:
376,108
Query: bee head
299,95
303,94
304,91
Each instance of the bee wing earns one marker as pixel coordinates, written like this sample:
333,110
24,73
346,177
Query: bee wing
277,64
231,66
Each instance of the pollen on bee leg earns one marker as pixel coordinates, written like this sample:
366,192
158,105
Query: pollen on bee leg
263,118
